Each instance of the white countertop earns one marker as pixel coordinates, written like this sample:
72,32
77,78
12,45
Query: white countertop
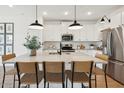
66,57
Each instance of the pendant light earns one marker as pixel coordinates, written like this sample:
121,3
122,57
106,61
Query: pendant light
103,19
75,25
36,25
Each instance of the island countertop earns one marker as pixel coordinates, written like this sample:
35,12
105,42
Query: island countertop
65,57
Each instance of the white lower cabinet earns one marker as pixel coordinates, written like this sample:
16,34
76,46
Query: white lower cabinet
89,52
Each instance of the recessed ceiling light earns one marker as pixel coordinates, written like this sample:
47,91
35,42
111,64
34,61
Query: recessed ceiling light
10,5
66,13
89,13
44,13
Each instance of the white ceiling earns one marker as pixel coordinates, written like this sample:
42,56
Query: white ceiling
56,12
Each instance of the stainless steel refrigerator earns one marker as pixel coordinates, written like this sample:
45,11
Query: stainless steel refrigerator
117,45
113,41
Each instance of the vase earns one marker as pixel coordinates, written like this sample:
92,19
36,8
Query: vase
33,52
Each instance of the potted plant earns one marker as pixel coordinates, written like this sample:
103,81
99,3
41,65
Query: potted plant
33,44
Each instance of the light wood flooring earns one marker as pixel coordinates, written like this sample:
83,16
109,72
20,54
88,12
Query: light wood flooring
100,82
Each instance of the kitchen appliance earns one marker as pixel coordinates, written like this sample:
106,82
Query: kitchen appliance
117,48
67,48
67,37
113,41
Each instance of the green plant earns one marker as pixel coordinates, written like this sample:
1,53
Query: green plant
32,42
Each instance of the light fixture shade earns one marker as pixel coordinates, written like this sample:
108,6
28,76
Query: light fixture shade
102,20
75,26
36,26
105,18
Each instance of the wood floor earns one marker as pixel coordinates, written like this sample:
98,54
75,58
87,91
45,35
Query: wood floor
100,82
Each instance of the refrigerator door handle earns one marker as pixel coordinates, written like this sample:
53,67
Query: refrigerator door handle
119,38
123,35
111,45
109,38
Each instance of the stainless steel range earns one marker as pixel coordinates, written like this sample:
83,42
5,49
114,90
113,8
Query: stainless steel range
67,48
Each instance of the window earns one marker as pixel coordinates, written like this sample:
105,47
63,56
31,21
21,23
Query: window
6,38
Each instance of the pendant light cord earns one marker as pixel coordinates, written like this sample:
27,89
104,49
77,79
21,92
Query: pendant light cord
36,12
75,12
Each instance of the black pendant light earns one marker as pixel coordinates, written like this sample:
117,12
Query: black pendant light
103,19
36,25
75,25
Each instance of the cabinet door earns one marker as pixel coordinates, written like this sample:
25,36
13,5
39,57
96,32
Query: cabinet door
122,17
116,20
98,34
82,35
52,33
90,32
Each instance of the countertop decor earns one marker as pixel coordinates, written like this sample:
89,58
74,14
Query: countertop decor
33,44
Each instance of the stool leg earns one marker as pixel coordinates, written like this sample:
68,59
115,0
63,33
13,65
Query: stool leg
3,80
44,84
19,85
89,83
95,81
63,85
14,82
82,85
71,84
66,82
48,85
106,81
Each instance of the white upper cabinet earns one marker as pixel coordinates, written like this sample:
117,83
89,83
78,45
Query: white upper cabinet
52,33
122,17
82,34
116,20
97,35
55,32
87,33
90,32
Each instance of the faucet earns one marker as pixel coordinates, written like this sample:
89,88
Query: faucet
60,52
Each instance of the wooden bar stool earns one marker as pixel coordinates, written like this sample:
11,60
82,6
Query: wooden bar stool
29,73
99,71
12,71
80,72
54,73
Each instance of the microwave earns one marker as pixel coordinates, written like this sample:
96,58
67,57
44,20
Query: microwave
67,37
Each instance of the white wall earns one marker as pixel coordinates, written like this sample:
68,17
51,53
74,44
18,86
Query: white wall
21,23
117,18
20,31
